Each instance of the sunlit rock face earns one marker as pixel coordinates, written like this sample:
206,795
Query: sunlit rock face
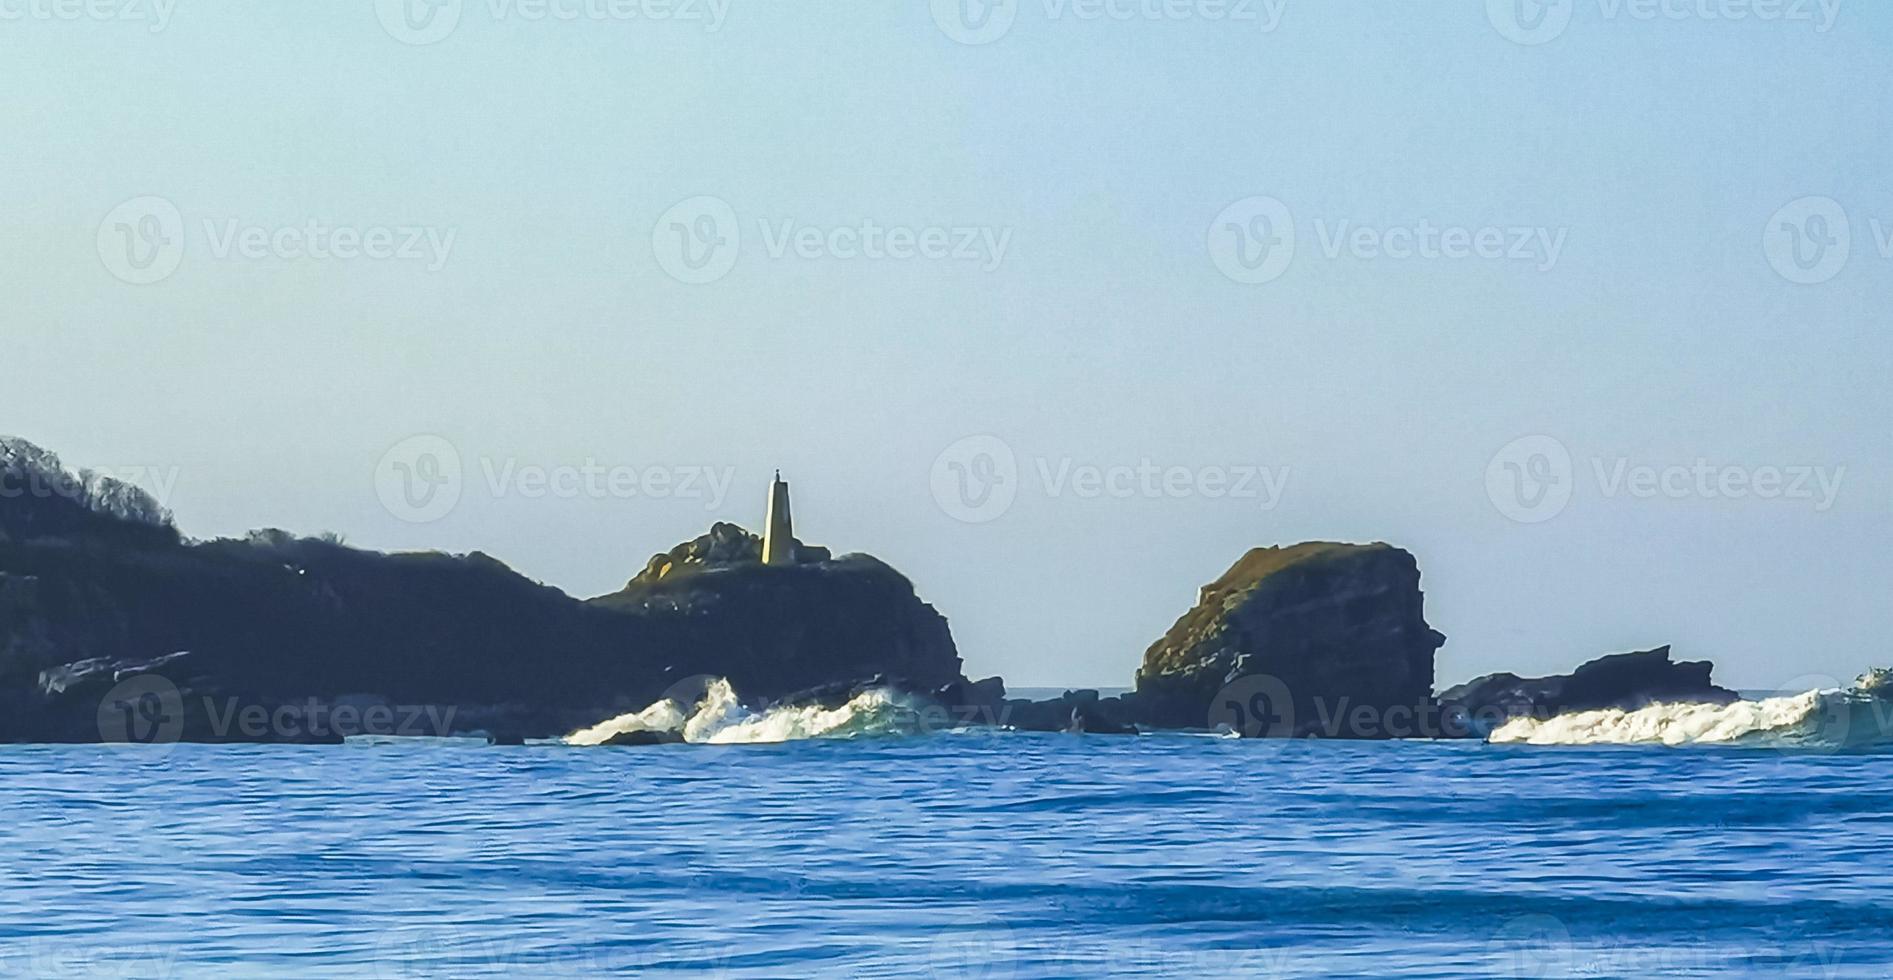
1312,639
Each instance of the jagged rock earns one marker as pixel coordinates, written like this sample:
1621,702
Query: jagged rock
644,738
1625,680
726,545
984,697
1089,717
1073,711
1314,639
100,674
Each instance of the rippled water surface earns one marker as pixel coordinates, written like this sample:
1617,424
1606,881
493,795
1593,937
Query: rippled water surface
972,855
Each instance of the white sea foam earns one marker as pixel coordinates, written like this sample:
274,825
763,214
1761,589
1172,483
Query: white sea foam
1858,716
664,716
719,718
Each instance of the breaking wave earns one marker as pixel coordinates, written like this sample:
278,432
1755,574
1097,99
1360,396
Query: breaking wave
1856,717
718,717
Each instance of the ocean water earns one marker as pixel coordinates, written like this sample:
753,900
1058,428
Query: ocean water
968,855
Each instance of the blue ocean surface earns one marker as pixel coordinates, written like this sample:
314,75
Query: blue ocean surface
982,854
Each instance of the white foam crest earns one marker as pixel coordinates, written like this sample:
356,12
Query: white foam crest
664,716
719,718
1862,715
1667,724
871,712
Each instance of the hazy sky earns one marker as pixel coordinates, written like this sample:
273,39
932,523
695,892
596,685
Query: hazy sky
682,238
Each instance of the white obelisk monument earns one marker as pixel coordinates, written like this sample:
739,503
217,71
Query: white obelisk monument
778,538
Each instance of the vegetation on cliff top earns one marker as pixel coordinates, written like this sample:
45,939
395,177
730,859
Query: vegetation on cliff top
1208,618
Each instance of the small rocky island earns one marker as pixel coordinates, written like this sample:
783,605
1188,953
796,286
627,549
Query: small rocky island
1330,640
115,627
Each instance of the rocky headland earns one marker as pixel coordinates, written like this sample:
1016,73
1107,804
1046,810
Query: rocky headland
274,637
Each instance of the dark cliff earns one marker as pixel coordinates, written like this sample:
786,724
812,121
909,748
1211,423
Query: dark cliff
93,593
777,629
1624,680
1314,639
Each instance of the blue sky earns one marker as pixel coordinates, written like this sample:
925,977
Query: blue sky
1070,203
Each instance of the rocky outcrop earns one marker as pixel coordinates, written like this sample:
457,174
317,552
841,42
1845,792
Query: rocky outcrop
287,630
772,630
1317,639
725,545
1080,712
1625,680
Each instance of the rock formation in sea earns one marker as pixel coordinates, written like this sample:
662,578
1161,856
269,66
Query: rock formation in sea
112,624
1625,680
274,637
1313,639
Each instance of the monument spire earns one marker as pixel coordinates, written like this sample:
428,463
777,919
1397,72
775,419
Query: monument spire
778,537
